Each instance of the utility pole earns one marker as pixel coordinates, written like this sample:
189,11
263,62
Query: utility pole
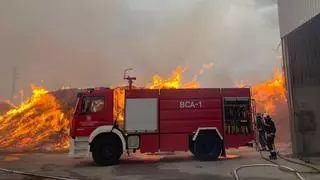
14,81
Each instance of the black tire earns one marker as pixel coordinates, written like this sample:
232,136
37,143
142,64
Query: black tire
207,148
191,147
106,150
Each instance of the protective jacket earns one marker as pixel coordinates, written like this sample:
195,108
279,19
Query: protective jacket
260,123
269,126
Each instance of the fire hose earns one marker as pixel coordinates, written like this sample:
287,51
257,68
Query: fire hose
35,175
235,171
280,167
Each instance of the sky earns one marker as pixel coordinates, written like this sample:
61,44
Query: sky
80,43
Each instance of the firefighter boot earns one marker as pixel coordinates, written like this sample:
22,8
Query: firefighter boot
273,156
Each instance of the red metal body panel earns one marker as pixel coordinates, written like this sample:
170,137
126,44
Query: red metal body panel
202,93
174,142
235,141
176,119
142,93
168,104
235,92
149,143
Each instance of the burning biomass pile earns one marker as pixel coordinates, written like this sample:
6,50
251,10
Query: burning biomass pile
42,122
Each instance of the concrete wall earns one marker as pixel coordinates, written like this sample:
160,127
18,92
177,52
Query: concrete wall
300,34
307,120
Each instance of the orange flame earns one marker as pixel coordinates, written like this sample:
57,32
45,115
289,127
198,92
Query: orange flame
40,122
267,94
174,81
36,123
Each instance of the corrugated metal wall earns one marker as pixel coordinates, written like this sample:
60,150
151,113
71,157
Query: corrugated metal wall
293,13
300,32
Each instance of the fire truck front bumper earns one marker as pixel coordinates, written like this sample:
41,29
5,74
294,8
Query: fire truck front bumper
79,147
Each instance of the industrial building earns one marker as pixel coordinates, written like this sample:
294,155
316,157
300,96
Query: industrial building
300,36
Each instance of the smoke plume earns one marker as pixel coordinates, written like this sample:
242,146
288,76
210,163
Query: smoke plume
82,43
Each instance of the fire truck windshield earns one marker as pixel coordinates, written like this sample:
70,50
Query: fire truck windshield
92,104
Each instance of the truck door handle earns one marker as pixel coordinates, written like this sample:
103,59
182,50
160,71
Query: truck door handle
101,119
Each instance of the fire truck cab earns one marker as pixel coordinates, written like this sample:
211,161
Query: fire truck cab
204,121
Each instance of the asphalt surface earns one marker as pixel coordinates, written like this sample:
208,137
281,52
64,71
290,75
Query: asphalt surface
178,166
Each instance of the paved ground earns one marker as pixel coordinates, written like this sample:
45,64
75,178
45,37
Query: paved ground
180,166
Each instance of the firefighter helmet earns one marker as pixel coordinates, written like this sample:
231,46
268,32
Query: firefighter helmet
266,115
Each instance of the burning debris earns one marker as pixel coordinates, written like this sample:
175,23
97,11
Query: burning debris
42,122
37,123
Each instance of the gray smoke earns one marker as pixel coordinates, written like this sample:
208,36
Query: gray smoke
84,43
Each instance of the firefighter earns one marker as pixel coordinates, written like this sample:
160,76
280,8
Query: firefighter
261,132
270,130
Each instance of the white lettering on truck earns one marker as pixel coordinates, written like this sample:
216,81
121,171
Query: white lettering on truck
190,104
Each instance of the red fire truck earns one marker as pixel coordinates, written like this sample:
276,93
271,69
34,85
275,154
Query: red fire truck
204,121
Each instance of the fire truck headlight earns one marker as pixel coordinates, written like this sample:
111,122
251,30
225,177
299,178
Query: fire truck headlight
133,141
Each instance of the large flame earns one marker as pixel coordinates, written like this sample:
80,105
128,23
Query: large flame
269,93
41,123
174,81
37,123
270,97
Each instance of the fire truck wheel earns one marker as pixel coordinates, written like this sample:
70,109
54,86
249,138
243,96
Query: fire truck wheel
207,148
191,147
106,150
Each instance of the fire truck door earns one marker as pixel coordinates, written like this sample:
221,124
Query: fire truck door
95,111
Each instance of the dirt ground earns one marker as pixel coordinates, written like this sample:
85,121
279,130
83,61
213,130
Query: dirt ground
178,166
